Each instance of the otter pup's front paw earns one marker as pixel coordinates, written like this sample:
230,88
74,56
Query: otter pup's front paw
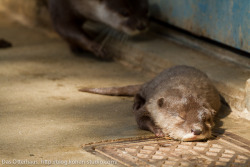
158,132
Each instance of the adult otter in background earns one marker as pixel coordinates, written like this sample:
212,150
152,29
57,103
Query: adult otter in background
180,102
68,16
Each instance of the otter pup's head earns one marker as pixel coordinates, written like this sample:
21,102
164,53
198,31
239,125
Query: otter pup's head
128,16
184,118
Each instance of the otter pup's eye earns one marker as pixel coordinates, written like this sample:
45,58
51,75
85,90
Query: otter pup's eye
182,115
160,102
124,13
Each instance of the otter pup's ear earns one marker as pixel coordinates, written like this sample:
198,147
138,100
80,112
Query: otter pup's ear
209,109
160,102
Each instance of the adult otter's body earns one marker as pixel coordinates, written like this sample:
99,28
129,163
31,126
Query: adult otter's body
68,16
180,101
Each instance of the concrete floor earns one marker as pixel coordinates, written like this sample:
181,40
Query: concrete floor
42,114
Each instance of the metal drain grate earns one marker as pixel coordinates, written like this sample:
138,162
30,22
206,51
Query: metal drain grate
227,150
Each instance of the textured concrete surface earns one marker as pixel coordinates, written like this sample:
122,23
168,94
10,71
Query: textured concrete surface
28,12
42,114
44,117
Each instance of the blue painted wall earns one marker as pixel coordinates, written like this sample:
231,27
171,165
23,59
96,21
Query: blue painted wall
226,21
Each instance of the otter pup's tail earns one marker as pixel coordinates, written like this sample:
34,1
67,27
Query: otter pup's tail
129,90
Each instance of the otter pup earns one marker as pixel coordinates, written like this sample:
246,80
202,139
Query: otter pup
68,16
180,102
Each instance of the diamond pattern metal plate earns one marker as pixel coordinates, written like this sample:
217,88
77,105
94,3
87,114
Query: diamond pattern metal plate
228,150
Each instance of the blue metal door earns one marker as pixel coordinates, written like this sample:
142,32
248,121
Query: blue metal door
225,21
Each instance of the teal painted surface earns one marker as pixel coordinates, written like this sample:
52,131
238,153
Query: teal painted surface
226,21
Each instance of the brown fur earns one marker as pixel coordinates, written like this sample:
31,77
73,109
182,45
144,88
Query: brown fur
180,102
68,16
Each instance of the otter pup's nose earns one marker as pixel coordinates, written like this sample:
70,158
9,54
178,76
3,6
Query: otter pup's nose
196,131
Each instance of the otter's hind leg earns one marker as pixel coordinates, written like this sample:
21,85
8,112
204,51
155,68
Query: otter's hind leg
143,118
146,123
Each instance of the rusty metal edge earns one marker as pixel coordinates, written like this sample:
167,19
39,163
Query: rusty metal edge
229,136
123,140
